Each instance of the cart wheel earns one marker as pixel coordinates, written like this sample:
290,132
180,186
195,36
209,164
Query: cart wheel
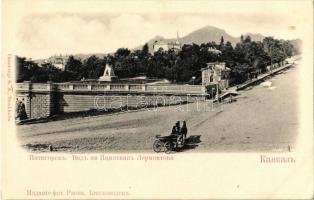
157,146
168,147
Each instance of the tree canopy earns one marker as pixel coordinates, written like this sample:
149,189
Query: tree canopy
247,56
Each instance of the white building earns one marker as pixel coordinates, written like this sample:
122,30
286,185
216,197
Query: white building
216,73
59,61
176,46
214,50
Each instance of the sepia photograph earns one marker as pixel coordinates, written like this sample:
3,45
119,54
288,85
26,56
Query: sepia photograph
148,81
199,88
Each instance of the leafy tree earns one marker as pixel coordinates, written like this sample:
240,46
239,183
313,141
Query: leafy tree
246,57
25,69
228,55
93,67
122,52
274,49
241,38
145,50
247,39
73,64
222,43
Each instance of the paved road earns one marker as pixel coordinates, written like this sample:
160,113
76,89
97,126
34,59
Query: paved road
261,119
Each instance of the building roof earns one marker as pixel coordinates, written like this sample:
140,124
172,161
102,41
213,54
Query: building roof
220,65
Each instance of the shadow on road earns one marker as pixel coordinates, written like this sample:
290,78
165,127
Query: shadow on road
191,142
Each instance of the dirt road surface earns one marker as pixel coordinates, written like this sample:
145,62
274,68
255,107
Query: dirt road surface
261,119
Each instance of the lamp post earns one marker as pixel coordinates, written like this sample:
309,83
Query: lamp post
217,92
193,78
155,95
213,89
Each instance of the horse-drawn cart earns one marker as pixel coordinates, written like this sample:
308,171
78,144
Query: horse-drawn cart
168,143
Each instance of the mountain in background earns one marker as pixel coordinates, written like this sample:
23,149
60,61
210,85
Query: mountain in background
205,35
202,35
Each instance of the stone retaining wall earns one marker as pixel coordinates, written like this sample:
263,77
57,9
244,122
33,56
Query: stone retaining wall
44,100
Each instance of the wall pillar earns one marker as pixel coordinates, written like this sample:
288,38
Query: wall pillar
39,99
28,100
51,105
143,87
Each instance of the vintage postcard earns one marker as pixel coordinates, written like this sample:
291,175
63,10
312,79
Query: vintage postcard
167,99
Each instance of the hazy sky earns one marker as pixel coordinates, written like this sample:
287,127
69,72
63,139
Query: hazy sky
62,30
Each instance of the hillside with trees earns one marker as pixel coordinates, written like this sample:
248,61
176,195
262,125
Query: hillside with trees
247,56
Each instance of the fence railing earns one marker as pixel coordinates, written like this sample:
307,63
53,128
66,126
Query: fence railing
112,87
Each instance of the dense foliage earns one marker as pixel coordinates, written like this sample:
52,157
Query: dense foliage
246,57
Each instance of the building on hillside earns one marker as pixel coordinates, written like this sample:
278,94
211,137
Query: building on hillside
59,61
216,73
214,50
176,46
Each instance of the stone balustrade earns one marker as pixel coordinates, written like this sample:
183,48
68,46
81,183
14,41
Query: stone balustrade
46,99
112,87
